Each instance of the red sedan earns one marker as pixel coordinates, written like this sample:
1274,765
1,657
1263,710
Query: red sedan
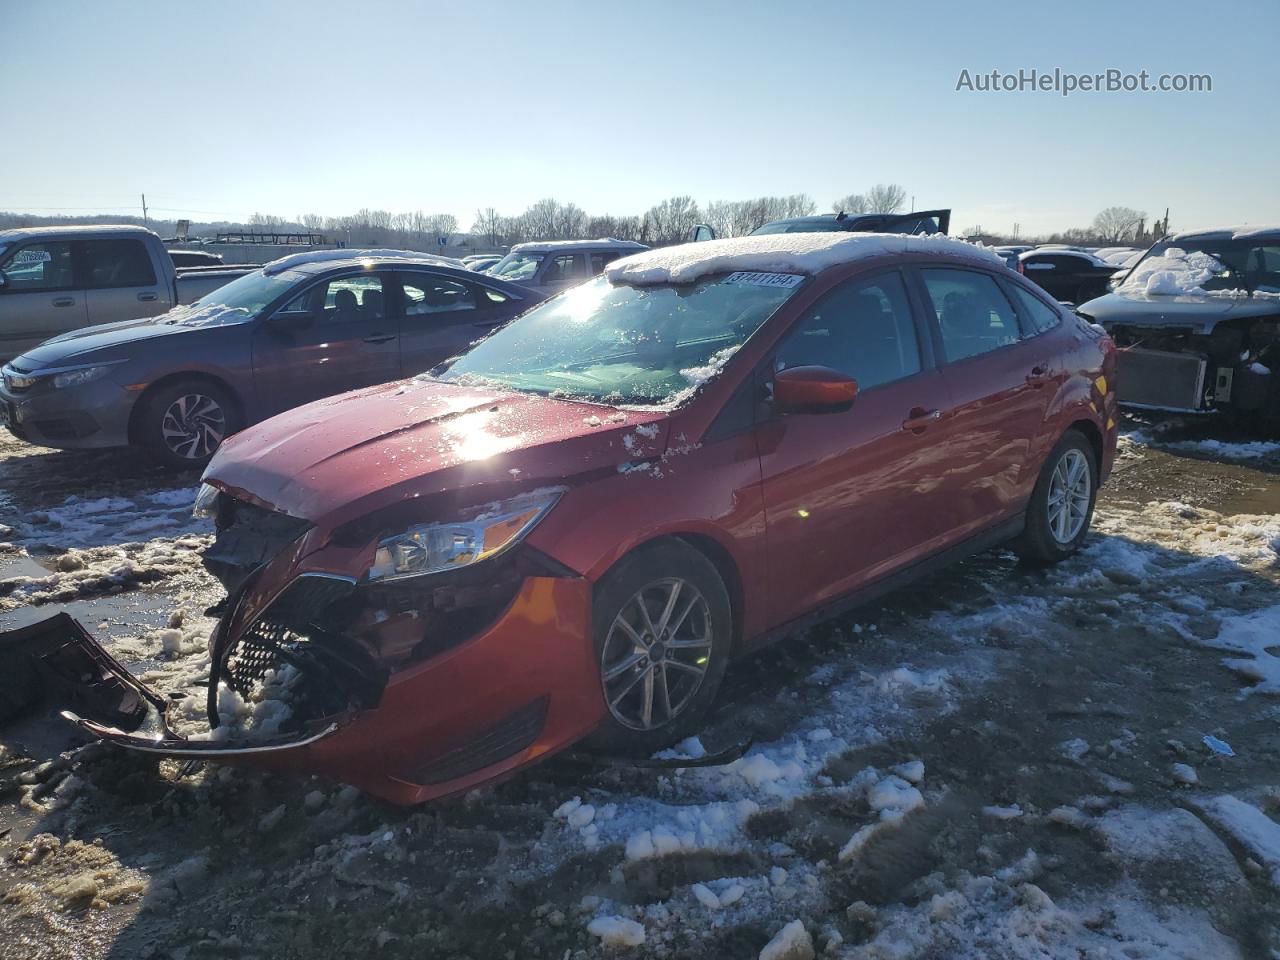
569,531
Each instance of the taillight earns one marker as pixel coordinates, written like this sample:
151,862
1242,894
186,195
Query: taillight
1021,268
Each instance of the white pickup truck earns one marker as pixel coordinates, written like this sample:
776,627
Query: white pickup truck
57,279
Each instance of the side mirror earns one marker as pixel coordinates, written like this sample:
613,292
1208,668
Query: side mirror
813,390
4,281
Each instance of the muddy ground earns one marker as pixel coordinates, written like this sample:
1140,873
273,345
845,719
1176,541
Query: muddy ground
992,763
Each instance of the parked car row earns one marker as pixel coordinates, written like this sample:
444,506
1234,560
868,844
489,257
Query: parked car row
301,328
569,530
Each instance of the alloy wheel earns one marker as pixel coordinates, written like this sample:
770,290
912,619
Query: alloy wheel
193,426
656,654
1070,490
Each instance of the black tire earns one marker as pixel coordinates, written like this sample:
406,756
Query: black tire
211,416
1040,543
648,574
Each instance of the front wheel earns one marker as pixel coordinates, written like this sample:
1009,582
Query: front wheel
1061,506
183,424
662,624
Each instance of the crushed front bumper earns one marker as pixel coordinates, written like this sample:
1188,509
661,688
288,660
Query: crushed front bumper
514,693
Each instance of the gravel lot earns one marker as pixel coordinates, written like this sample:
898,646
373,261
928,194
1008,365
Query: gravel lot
994,763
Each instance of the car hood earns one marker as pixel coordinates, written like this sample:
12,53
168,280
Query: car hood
1197,313
105,338
337,459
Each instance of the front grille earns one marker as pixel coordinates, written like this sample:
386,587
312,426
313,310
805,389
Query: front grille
337,672
248,536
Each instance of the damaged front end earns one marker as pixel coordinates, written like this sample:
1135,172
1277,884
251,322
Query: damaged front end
410,689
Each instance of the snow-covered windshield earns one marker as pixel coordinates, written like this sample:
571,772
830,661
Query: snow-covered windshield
240,300
516,266
649,346
1205,265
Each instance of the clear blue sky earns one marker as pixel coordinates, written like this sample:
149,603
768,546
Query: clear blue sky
218,110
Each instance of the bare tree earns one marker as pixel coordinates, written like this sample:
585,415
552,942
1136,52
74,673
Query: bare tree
671,220
886,198
1117,224
488,224
853,203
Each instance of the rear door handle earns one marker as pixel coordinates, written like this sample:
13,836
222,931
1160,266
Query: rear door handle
919,418
64,301
379,338
147,297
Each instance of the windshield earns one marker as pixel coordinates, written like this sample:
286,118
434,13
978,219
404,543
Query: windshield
516,266
1208,264
647,345
240,300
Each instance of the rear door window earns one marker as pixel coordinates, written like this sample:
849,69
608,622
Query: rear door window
116,263
862,328
425,295
599,260
564,268
38,267
975,317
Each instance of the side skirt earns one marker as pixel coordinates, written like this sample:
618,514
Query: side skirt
1002,532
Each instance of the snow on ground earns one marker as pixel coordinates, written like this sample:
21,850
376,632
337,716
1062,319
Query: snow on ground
1208,448
848,829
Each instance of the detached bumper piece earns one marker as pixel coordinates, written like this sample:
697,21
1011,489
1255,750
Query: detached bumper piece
56,660
518,689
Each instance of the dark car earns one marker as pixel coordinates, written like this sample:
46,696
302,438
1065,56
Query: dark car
1072,276
301,328
195,258
917,222
1199,320
572,529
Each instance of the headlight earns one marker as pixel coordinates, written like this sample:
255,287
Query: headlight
74,378
206,504
436,547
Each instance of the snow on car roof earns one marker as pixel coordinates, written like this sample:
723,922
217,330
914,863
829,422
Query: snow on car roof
805,253
1239,232
604,243
330,257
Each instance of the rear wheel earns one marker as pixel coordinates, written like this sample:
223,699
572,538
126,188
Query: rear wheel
184,423
662,625
1061,506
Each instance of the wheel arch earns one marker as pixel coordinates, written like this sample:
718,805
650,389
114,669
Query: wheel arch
1094,435
170,379
716,554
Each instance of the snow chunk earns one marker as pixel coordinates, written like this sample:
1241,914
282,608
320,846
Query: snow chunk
792,942
912,771
1011,812
1184,773
615,931
1250,827
705,896
1074,749
801,253
1252,635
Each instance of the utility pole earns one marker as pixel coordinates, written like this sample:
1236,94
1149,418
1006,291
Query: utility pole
145,222
1017,227
913,203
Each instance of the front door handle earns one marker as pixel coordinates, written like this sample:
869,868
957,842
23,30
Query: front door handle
919,418
147,297
64,301
379,338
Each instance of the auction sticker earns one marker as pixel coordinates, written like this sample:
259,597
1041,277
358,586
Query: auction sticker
765,279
